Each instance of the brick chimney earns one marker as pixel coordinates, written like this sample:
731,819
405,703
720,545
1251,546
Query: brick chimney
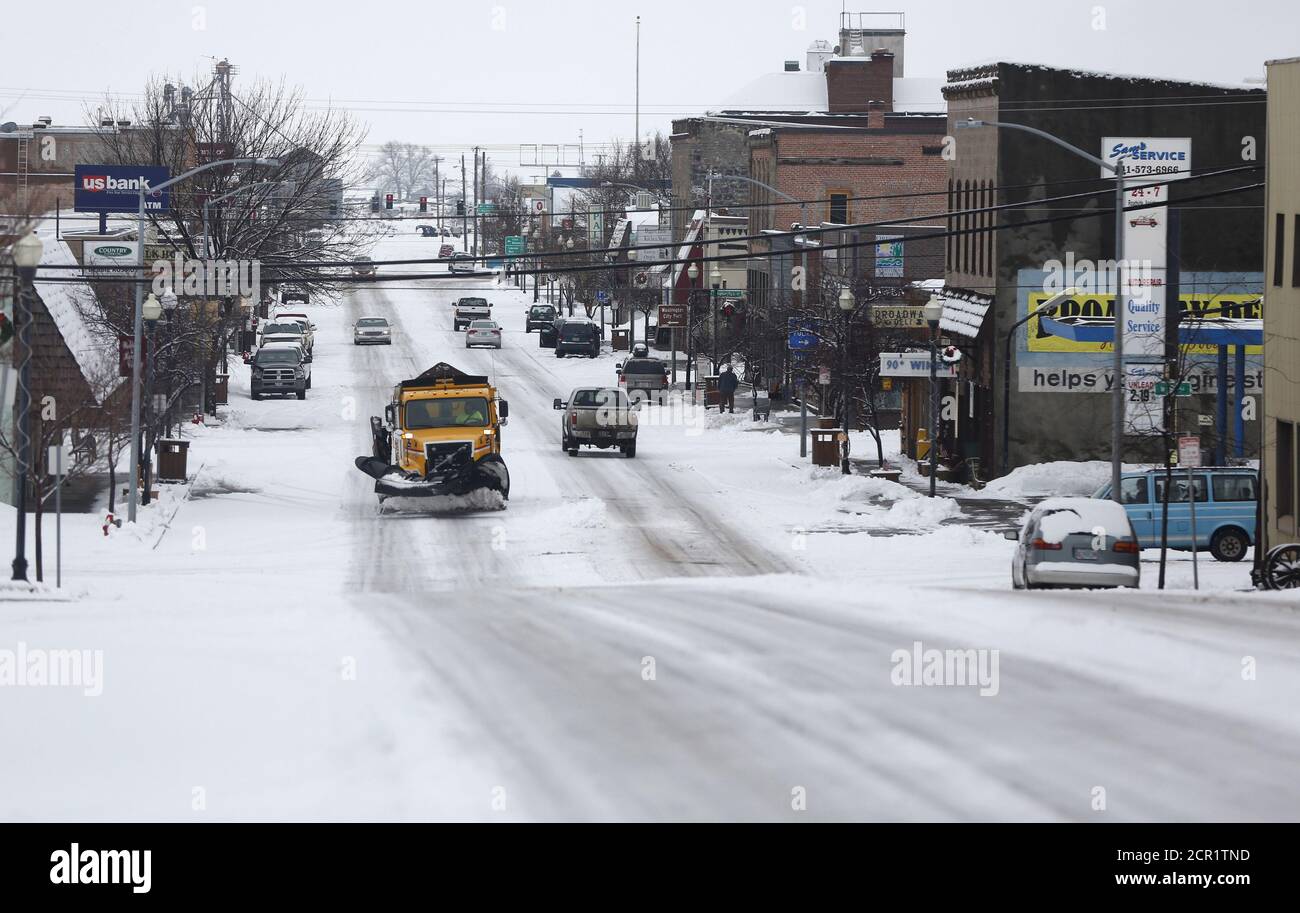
858,84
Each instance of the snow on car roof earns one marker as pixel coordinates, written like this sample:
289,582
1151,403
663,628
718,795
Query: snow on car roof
1061,517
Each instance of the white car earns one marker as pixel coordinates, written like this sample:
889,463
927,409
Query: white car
483,333
462,262
372,331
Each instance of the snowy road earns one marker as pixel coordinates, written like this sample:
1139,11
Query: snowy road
703,632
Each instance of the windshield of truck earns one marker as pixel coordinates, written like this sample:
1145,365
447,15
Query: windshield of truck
470,411
276,357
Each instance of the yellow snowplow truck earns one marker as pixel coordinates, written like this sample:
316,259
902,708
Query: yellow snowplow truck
440,435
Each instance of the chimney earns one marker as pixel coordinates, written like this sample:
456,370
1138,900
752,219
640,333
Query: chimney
858,84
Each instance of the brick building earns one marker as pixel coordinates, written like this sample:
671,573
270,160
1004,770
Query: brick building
991,275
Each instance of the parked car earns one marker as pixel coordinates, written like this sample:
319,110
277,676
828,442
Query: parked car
1076,542
294,344
308,328
282,330
539,316
643,377
1226,500
372,331
445,251
577,336
467,310
462,262
597,417
278,371
483,333
427,231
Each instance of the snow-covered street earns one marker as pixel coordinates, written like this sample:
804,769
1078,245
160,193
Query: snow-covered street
710,631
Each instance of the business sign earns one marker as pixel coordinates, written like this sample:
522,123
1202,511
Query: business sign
595,228
1144,408
913,364
115,188
889,256
672,315
1208,304
1148,158
1087,379
898,317
110,253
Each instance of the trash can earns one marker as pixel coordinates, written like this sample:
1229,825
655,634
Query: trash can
619,340
762,405
172,457
711,397
221,389
825,446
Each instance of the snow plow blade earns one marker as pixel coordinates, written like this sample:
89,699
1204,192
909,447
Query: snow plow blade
487,475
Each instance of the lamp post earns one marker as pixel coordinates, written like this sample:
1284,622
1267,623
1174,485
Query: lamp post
715,280
138,322
933,314
1117,398
847,305
151,311
26,252
692,273
1047,307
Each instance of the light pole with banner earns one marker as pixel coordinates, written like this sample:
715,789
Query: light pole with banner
133,493
847,304
692,273
933,314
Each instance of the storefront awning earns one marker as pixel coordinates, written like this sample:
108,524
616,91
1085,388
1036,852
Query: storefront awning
964,312
1229,331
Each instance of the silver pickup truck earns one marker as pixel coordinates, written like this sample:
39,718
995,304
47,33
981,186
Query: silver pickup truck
597,417
468,310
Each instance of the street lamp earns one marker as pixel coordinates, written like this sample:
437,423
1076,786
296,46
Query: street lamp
26,252
715,280
138,323
933,314
1046,308
693,273
847,304
1117,399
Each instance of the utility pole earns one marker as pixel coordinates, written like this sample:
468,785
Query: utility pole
476,231
437,203
636,130
464,201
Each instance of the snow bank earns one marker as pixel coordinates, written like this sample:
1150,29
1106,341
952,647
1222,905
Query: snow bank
1064,478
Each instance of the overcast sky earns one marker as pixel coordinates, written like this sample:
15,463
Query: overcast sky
500,73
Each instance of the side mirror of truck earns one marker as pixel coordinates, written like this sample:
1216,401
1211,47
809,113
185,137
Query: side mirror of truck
504,408
557,405
1012,535
390,416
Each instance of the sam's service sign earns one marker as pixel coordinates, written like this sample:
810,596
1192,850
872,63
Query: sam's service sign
115,188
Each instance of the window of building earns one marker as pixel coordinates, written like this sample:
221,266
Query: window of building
838,210
1279,248
1284,484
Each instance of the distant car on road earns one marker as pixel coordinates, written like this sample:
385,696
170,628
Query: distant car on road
461,262
467,310
597,417
539,317
372,331
483,333
577,336
1225,498
363,267
445,251
427,231
293,293
1076,542
642,377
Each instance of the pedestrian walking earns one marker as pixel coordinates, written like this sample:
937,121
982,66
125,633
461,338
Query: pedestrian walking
727,384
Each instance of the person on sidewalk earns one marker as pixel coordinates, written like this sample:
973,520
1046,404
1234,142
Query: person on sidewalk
727,384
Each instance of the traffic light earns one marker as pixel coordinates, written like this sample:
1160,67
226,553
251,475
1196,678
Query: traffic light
424,204
388,201
374,203
6,328
460,207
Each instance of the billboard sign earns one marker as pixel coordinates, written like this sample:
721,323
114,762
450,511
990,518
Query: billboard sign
1148,158
899,317
115,188
913,364
1144,408
111,253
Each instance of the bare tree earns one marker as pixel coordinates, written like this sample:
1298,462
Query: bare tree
406,168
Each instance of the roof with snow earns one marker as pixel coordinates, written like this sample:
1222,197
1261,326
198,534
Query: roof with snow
964,312
66,301
804,92
980,71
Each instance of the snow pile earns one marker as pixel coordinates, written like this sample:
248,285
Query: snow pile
921,513
1064,478
480,499
1067,516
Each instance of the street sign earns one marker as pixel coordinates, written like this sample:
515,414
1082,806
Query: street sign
1205,421
602,297
730,292
1189,451
912,364
514,245
486,209
1184,389
824,376
799,342
115,188
672,315
898,317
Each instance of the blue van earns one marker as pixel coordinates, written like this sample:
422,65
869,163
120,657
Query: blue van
1225,508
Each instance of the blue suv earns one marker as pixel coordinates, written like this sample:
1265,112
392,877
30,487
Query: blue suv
1226,501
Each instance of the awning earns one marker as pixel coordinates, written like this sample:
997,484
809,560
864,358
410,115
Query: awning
1228,331
964,312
